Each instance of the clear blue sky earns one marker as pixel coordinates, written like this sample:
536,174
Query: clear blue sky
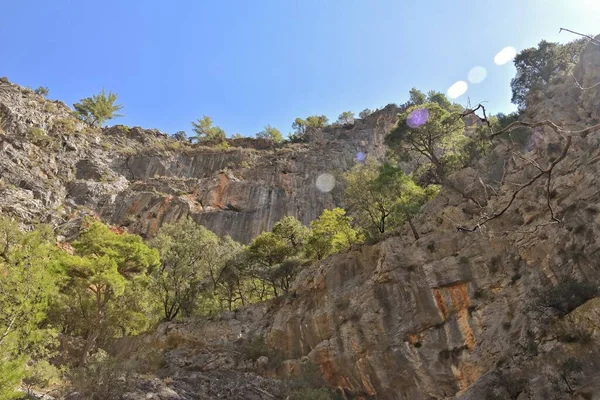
249,63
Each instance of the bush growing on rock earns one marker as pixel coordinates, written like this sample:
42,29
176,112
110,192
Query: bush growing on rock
270,133
205,131
98,109
42,91
537,66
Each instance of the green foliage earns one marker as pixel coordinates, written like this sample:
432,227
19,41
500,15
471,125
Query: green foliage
224,145
102,378
381,197
293,232
440,136
42,91
270,133
303,126
266,253
205,131
192,259
41,374
331,233
28,285
299,126
179,136
98,109
104,266
416,97
316,122
365,113
347,117
63,125
38,137
11,373
537,66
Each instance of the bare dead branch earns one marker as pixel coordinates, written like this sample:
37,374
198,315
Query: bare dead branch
592,39
473,111
547,171
581,87
548,123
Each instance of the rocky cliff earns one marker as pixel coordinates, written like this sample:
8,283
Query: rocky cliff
467,310
53,169
470,310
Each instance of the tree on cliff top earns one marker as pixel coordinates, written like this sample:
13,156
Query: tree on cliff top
537,66
205,131
270,133
431,131
98,109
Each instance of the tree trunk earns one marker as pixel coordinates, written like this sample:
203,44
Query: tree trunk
412,228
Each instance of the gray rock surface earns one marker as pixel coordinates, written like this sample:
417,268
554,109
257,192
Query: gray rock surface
141,179
453,314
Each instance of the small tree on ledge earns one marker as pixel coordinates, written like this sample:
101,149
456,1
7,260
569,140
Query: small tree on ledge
97,109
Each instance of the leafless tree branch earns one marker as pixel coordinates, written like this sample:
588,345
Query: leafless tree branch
581,87
592,39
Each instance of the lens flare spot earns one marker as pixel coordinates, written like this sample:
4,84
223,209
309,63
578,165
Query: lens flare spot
360,156
418,117
477,74
505,55
458,89
325,183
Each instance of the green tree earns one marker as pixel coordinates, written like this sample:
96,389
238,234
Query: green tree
28,285
98,109
382,197
316,122
431,131
270,133
347,117
192,258
266,253
299,126
416,97
365,113
180,136
102,268
332,232
205,131
42,91
293,232
537,66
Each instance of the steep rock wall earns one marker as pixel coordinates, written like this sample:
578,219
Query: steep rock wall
54,169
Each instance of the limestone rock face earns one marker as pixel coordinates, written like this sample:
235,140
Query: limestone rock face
54,169
455,314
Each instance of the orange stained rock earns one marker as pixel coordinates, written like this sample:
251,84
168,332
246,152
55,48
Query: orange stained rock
465,329
441,304
364,378
459,295
220,192
164,206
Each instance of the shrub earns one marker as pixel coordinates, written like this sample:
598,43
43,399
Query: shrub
102,378
223,146
42,91
179,136
63,125
38,137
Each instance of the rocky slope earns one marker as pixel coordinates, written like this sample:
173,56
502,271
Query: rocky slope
53,169
454,314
